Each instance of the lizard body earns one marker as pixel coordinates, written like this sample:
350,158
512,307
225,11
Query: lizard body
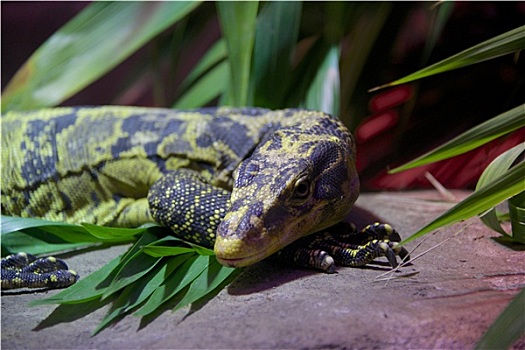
247,182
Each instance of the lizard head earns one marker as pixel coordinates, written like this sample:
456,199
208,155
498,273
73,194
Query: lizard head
293,184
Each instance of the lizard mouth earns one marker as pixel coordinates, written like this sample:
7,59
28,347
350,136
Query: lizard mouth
236,253
232,262
242,261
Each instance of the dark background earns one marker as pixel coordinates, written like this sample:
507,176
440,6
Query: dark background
435,109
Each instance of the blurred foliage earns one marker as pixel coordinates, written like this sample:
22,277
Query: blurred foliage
270,54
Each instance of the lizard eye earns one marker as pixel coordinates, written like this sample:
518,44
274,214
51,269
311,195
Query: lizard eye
302,188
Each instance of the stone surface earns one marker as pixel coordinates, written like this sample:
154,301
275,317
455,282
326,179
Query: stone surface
446,299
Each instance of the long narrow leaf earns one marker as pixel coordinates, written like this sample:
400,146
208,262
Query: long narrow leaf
176,282
502,124
238,21
495,169
275,40
208,87
517,216
160,251
441,14
370,19
500,45
508,327
132,271
29,242
88,46
206,282
506,186
38,236
136,293
324,92
211,58
109,233
14,223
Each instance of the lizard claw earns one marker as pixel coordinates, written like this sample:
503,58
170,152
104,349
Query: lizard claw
348,248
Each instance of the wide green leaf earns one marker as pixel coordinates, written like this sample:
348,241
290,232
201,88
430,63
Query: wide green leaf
481,134
500,189
238,20
37,242
88,46
324,91
275,40
38,236
14,223
500,45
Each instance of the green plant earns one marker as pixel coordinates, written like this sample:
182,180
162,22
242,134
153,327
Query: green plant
499,182
293,66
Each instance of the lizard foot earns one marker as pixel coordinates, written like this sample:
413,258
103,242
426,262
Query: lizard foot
24,270
342,244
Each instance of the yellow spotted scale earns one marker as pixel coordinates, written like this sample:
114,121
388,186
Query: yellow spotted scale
249,182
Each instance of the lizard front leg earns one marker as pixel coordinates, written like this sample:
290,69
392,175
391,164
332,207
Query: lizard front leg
342,244
191,207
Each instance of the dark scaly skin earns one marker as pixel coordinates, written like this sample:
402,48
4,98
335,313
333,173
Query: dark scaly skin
23,270
247,182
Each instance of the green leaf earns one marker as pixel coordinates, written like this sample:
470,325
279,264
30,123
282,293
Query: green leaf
370,19
502,124
206,282
88,46
201,250
111,233
211,85
441,13
500,45
495,169
13,223
275,40
36,243
238,20
136,267
136,293
160,251
507,328
324,92
38,236
156,249
505,186
517,216
176,282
